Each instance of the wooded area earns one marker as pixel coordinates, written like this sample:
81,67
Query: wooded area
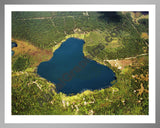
120,37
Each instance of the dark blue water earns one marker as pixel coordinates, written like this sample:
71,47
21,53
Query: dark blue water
13,45
72,72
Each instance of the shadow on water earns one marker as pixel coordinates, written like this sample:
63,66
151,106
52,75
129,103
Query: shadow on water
110,16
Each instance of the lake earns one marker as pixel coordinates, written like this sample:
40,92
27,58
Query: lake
13,45
73,73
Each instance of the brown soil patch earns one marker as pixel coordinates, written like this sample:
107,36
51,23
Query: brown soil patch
126,62
37,55
121,64
133,61
144,35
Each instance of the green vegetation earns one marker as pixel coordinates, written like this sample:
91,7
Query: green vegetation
121,38
45,32
21,63
34,95
143,25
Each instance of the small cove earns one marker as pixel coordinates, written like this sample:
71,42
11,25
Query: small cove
73,73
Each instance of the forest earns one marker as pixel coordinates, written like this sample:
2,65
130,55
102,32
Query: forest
122,38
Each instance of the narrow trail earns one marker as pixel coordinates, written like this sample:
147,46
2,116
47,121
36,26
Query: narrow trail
128,57
54,26
37,18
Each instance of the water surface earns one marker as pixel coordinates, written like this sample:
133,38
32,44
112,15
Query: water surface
72,72
13,45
